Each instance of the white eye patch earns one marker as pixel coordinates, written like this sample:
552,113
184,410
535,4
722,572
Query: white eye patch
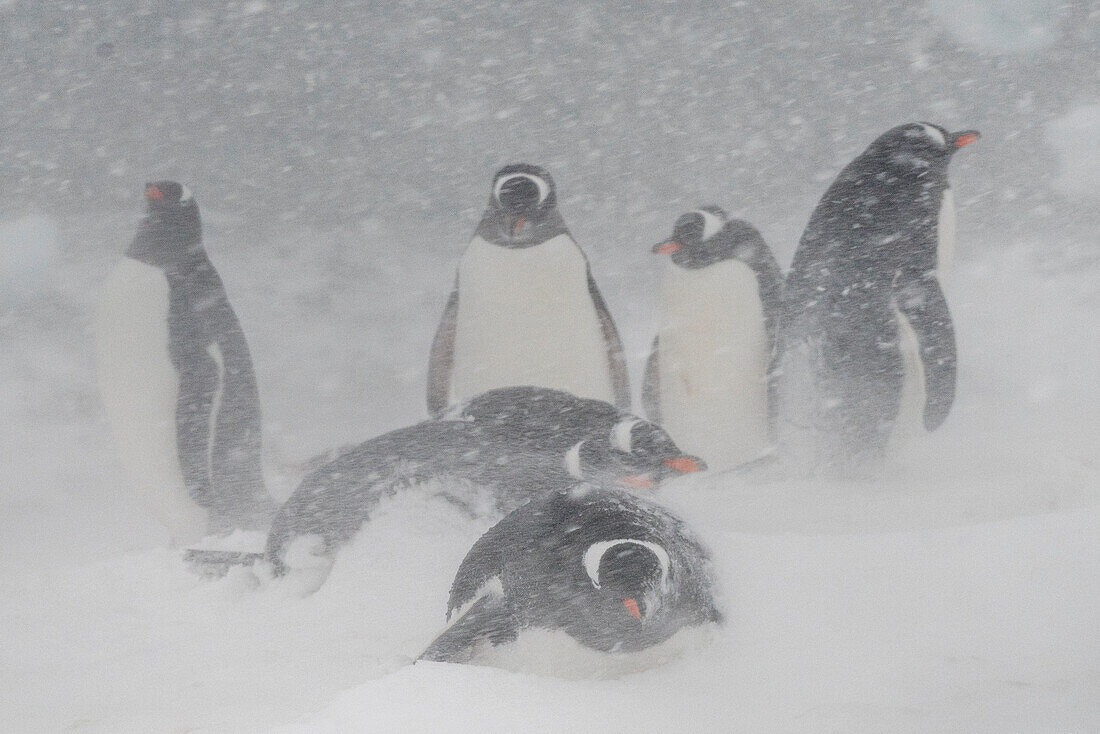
185,194
544,188
711,223
934,134
620,435
573,461
595,553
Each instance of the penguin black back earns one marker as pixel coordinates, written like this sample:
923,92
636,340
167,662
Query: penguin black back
865,264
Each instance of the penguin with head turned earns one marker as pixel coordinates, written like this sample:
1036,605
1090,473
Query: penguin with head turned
706,377
615,572
867,345
525,309
176,377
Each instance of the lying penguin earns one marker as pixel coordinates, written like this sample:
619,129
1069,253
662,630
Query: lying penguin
706,378
867,346
524,441
615,572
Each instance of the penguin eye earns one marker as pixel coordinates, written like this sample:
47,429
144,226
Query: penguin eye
712,224
540,183
593,556
621,437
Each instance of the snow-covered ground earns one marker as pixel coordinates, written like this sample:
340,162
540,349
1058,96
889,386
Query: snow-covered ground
959,594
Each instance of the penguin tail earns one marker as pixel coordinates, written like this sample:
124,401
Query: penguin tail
217,563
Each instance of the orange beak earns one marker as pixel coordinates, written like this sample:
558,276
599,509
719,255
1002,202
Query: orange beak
667,248
632,607
965,138
152,192
685,464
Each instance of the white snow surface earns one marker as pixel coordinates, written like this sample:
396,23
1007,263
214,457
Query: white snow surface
956,594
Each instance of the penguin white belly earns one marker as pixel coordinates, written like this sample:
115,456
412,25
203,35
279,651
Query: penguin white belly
945,238
139,386
910,420
712,363
525,317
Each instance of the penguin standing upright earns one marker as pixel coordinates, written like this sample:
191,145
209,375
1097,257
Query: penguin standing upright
706,377
867,343
525,309
176,377
613,571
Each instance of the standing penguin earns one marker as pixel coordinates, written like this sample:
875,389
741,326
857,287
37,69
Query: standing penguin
867,343
176,377
525,309
613,571
706,377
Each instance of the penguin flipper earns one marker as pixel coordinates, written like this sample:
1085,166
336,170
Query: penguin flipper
441,361
489,619
922,302
198,375
651,384
620,382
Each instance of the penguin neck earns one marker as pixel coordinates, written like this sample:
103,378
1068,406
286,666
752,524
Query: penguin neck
703,255
494,228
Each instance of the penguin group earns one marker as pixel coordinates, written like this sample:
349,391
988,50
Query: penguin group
529,404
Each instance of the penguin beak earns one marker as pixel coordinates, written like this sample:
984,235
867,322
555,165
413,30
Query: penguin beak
517,225
686,464
964,138
632,608
666,248
637,481
152,193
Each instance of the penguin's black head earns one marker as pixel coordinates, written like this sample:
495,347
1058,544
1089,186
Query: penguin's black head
631,579
635,454
698,239
170,233
919,147
523,209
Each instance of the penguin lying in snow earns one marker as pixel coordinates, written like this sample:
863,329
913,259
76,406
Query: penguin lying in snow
525,309
867,344
615,572
706,377
176,377
517,444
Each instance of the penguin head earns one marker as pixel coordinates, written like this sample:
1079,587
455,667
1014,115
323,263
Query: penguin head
630,580
706,236
523,209
170,233
919,147
635,454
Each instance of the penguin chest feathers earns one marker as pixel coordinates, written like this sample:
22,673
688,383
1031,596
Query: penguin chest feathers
713,359
140,387
526,317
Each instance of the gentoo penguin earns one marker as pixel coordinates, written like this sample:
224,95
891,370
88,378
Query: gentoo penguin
176,377
520,443
613,571
867,343
706,377
525,309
